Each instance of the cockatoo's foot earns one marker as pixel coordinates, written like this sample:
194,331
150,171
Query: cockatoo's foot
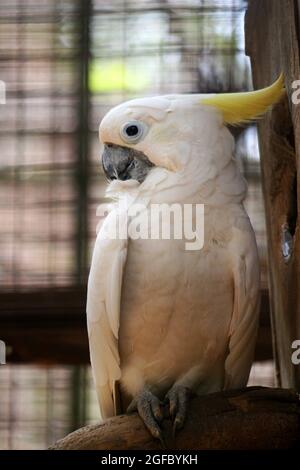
150,409
178,398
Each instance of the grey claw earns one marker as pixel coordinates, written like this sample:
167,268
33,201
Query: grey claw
178,424
162,441
178,398
158,415
132,407
150,410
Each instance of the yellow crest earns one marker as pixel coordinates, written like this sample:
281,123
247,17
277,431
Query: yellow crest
239,108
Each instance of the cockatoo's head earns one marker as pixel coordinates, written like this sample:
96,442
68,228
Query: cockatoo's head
162,131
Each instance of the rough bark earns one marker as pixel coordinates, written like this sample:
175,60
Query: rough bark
252,418
272,42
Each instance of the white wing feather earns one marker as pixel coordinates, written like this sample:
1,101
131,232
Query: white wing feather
103,314
245,316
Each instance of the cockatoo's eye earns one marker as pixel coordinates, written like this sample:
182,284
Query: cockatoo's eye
133,131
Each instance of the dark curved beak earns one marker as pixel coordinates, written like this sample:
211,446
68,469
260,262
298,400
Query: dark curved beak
124,163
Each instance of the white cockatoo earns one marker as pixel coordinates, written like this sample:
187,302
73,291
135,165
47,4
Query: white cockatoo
164,321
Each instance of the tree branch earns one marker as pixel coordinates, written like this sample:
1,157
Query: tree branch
252,418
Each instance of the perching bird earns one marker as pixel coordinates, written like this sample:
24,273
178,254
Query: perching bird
164,321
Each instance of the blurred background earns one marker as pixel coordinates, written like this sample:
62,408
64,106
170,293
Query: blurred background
65,63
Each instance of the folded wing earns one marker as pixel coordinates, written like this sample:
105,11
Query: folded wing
103,313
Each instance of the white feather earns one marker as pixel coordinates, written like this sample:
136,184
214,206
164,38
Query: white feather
244,322
103,311
184,317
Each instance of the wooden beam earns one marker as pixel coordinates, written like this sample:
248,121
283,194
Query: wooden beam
272,42
46,326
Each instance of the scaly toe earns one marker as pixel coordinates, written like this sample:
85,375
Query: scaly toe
178,398
150,410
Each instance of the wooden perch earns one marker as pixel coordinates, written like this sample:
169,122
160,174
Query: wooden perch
252,418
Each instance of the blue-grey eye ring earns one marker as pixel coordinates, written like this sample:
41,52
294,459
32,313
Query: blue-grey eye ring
132,131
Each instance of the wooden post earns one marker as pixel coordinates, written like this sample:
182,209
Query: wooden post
272,42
